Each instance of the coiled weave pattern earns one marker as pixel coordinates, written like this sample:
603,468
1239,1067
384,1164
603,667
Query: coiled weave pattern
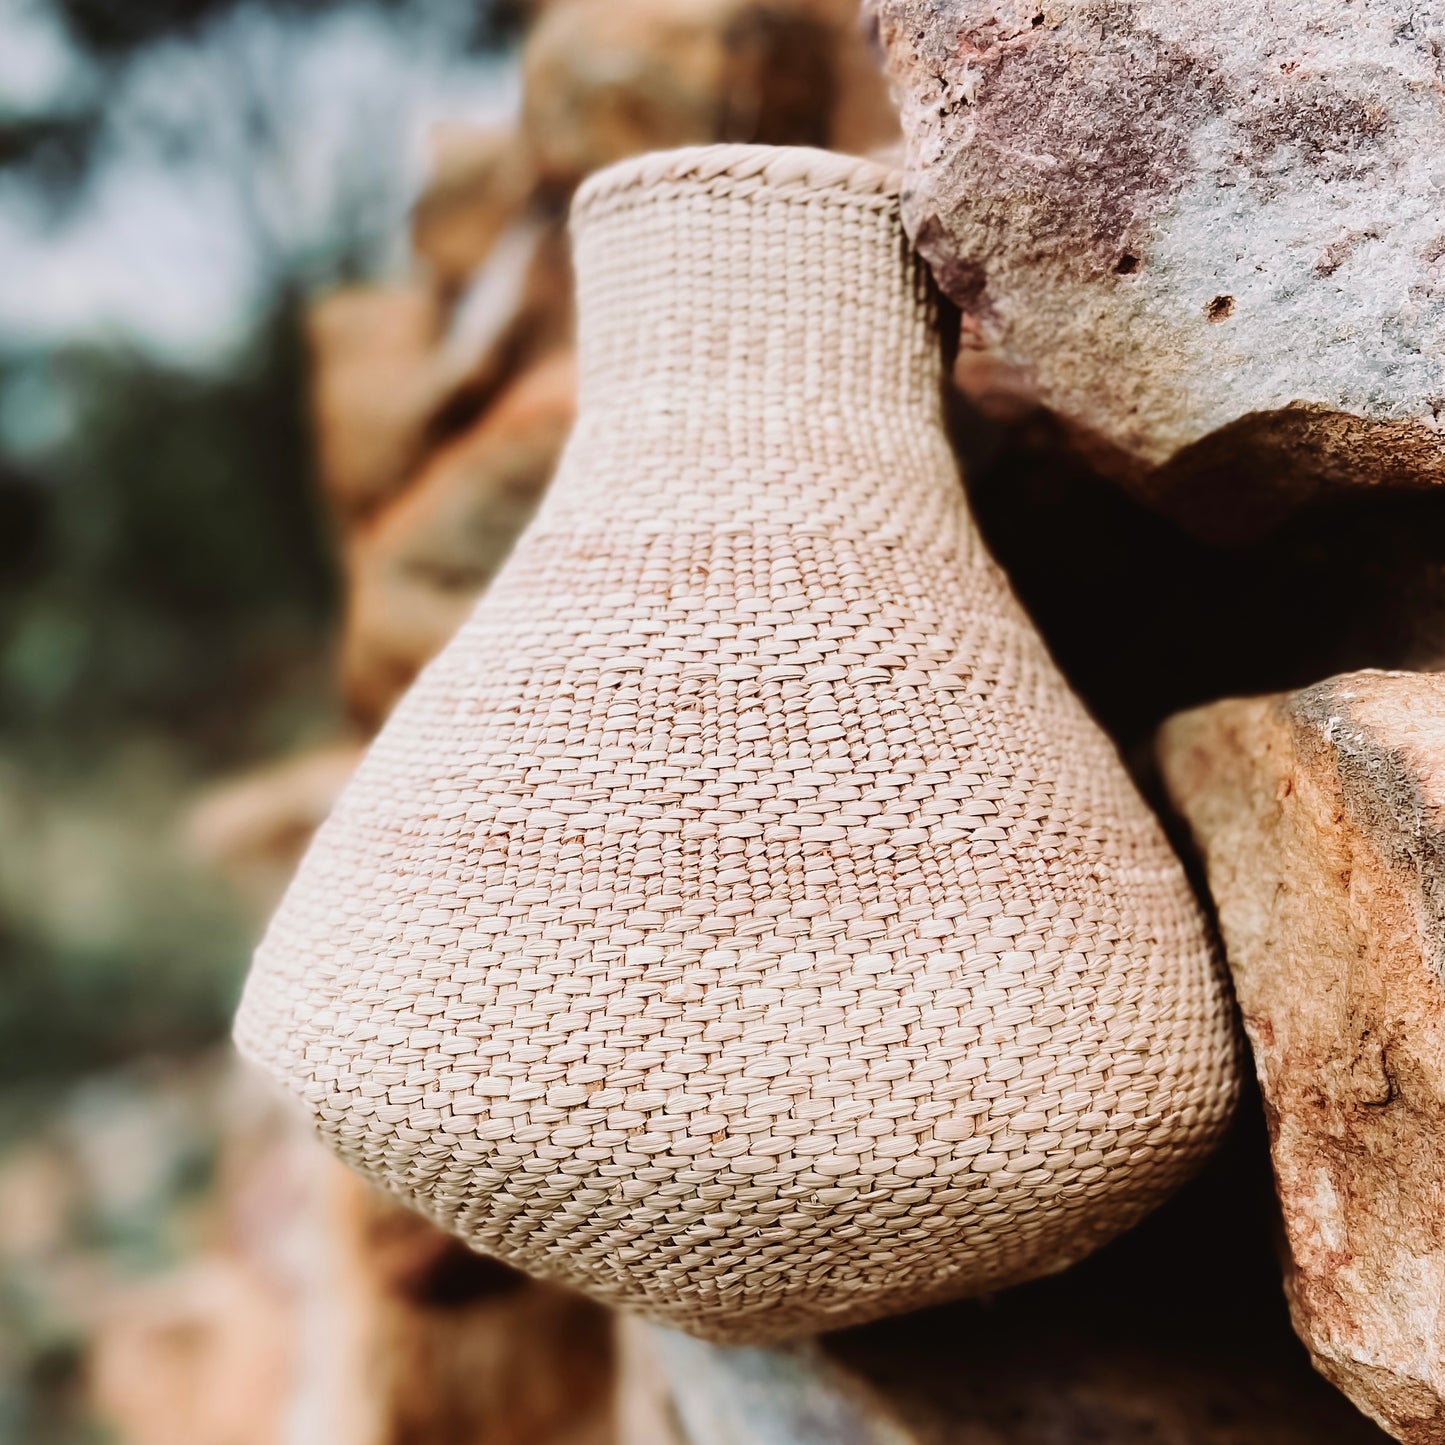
741,920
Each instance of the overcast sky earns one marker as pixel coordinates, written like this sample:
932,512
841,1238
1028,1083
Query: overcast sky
173,241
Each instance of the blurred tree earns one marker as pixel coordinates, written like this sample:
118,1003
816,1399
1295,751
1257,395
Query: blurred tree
52,153
165,558
166,588
55,143
164,610
118,26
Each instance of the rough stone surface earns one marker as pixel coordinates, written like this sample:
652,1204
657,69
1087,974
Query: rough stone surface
1321,819
602,80
374,386
414,573
1176,1334
1209,237
478,183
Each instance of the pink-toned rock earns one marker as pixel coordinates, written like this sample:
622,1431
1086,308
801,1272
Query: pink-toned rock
202,1357
375,386
1209,238
414,573
863,119
515,310
477,186
856,111
417,1341
1320,816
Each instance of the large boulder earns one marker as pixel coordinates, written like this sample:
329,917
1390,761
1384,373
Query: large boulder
1321,819
1209,238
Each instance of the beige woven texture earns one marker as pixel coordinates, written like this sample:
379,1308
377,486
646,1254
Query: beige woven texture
741,920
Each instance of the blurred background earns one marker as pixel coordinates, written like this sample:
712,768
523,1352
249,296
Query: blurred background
284,366
178,179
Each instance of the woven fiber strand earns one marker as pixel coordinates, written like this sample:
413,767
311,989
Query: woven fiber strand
741,920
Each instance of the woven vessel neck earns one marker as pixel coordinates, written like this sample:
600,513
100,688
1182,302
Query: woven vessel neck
749,309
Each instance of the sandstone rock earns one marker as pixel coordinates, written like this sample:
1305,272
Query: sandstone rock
253,828
416,1341
478,186
643,1407
200,1358
603,80
319,1311
374,388
1321,819
414,573
1210,240
515,309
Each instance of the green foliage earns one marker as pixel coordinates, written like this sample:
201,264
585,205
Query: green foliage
167,609
164,557
163,982
118,26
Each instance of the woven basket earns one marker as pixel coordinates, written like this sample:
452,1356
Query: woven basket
741,920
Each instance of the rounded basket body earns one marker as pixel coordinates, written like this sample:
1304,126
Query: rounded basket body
741,920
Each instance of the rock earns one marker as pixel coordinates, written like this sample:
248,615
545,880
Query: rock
1320,816
253,828
864,119
643,1408
1175,1334
861,118
416,1341
414,573
478,186
200,1358
515,309
374,389
316,1310
603,80
770,1395
1211,241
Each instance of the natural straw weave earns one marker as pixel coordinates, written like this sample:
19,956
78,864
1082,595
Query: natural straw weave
741,920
